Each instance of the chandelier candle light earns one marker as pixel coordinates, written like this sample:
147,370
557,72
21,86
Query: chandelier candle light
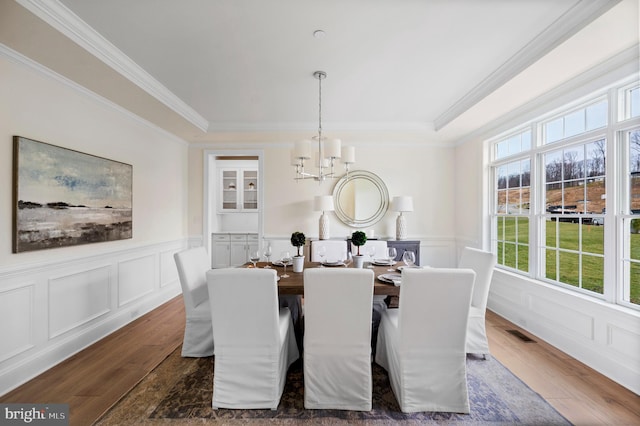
329,150
402,204
323,203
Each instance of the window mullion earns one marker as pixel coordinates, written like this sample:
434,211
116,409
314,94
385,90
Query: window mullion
612,225
535,203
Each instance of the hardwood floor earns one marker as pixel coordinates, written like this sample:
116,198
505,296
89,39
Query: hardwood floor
94,379
581,394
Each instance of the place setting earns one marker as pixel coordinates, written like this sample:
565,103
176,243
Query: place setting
332,262
395,275
393,278
409,260
285,260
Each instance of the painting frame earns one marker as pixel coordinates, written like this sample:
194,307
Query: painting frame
63,197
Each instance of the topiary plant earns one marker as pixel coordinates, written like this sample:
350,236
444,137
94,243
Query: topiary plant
358,238
297,240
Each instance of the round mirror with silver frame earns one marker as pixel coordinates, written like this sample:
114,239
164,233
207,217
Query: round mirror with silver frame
361,199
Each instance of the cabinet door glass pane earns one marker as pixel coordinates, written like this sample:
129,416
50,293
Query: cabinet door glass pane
250,181
229,190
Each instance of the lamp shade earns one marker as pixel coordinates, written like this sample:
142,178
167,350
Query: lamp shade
302,149
323,203
332,148
402,203
316,160
348,154
295,161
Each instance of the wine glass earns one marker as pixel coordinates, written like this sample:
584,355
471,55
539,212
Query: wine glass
322,252
254,257
409,258
391,255
346,258
285,258
267,254
371,251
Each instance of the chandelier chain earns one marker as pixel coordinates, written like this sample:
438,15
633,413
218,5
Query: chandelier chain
319,109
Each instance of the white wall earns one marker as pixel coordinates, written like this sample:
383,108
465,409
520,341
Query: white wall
422,170
55,302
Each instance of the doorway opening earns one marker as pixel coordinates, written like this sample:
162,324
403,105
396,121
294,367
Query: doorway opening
233,193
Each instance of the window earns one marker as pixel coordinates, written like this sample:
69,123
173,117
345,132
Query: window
630,105
512,214
576,122
513,144
550,202
574,188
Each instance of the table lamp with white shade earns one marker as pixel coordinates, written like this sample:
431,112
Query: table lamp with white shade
323,203
402,204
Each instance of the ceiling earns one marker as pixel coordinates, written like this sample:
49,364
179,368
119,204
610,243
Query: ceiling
223,67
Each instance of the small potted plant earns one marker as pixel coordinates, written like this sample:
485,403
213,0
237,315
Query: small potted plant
358,238
297,240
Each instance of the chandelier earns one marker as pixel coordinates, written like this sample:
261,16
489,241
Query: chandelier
329,150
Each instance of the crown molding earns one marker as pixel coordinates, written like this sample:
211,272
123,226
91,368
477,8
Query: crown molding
22,60
418,127
283,144
62,19
573,20
611,71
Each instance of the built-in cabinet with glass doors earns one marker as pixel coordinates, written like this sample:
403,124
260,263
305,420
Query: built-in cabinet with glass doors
238,190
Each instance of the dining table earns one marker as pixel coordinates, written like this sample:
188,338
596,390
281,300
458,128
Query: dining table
294,283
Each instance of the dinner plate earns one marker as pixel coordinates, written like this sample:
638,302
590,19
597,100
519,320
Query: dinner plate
383,262
400,268
278,263
331,264
390,278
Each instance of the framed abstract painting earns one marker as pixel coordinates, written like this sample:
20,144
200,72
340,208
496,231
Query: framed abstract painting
63,197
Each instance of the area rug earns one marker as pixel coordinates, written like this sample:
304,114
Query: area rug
179,392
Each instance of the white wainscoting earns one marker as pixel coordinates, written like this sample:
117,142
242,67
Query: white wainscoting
50,311
78,298
603,336
137,277
438,253
16,309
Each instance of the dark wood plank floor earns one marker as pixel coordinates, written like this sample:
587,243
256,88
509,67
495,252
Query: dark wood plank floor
94,379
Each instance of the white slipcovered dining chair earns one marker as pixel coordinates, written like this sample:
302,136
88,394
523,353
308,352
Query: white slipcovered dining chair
482,263
337,339
193,265
336,250
422,343
255,341
379,304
